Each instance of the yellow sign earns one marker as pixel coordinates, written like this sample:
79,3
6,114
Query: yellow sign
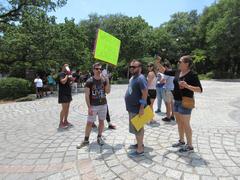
139,121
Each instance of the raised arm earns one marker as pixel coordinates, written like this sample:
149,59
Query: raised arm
107,86
159,66
63,80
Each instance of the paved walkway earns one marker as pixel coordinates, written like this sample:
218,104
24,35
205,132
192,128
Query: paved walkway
32,148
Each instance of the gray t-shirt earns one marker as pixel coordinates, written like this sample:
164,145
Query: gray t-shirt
134,93
97,91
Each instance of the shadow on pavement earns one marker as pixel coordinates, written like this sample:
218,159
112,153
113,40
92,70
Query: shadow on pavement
195,159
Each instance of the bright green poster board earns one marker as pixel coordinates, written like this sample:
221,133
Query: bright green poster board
107,47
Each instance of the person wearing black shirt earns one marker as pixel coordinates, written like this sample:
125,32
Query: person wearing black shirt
185,84
110,125
76,77
64,96
96,88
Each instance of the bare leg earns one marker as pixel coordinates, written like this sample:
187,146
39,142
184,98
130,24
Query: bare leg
151,106
187,128
88,129
172,105
51,89
37,93
100,127
168,109
63,112
139,139
67,112
180,126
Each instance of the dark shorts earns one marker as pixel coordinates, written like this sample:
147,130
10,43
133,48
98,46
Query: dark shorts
39,89
64,99
180,109
152,93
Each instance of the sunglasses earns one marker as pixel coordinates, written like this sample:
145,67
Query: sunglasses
133,67
98,69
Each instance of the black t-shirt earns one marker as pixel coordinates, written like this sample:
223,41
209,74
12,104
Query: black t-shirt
97,91
64,89
76,76
190,78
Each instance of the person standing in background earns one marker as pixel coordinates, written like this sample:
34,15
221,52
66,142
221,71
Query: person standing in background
76,78
152,82
159,90
167,94
51,82
39,86
65,95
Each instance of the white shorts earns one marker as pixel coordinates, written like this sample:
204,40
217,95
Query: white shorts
167,96
100,111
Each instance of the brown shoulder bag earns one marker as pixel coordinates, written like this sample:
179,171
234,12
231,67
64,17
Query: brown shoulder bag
188,102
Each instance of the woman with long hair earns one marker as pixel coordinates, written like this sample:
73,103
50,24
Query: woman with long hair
152,82
186,82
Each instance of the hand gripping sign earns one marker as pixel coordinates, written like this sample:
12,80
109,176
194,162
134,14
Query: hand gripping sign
107,48
139,121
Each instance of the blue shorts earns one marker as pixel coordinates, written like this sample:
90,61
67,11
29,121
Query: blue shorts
180,109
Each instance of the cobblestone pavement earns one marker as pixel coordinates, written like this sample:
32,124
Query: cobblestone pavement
32,148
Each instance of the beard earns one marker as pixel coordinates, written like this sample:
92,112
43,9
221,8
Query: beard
135,72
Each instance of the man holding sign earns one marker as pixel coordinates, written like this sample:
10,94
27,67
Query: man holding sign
96,88
136,100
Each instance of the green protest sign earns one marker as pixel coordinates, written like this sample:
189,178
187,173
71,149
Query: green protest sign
107,47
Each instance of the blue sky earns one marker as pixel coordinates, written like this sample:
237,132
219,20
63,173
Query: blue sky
155,12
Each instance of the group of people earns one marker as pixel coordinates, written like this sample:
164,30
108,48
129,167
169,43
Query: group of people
160,86
96,88
44,85
79,79
175,87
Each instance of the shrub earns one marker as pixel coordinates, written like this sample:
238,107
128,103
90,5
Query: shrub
13,88
121,81
30,97
207,76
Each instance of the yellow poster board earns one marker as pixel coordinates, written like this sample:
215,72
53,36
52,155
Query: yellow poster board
139,121
107,47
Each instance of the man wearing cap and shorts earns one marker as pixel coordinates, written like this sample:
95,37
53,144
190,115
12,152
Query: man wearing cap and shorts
96,88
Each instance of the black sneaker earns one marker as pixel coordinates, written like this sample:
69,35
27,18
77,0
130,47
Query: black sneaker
157,111
94,125
166,119
134,146
100,141
136,154
178,144
186,148
111,126
172,118
84,143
